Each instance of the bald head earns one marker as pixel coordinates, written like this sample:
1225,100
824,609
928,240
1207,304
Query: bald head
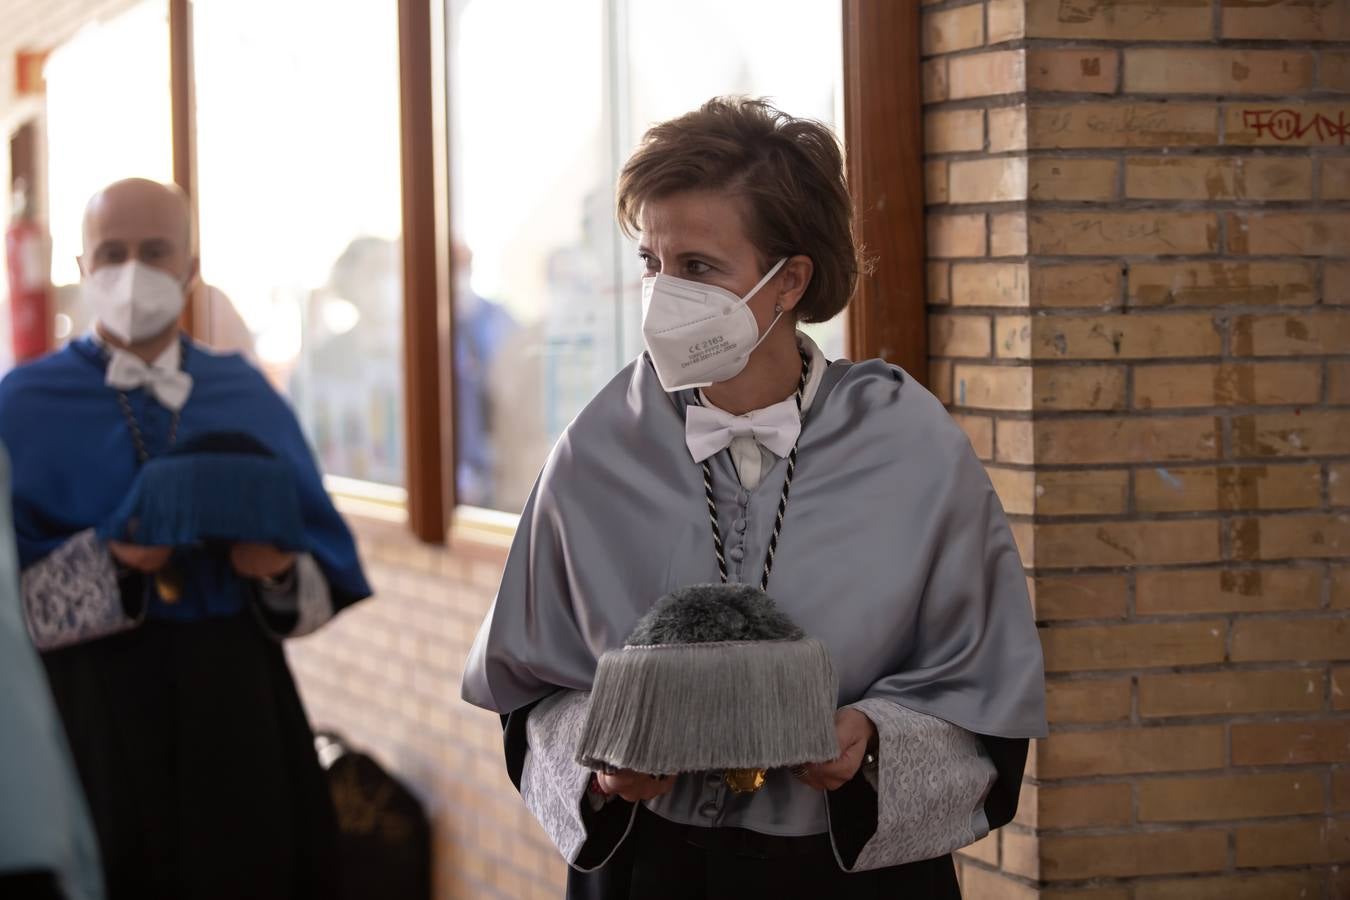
140,220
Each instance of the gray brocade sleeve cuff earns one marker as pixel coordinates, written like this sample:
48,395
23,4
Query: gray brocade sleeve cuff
554,786
932,780
73,595
305,600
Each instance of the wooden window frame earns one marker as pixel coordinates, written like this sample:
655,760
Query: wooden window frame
181,97
182,125
424,194
883,137
428,348
883,128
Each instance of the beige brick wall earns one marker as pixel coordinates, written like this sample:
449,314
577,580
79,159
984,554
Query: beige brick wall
1140,301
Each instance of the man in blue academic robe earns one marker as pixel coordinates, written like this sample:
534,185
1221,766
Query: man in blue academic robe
165,661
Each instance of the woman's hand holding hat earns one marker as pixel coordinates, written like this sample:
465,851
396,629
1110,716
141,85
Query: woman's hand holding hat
856,732
634,786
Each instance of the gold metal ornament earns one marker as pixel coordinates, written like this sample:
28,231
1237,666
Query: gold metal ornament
169,584
745,781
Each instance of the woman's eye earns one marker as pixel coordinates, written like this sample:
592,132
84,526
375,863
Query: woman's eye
650,265
694,267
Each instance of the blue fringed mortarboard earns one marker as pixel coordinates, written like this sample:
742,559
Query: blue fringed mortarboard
220,487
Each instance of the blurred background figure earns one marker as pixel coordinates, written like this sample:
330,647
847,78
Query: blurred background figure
483,328
346,380
47,847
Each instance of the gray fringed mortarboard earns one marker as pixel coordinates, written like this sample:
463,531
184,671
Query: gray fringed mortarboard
714,677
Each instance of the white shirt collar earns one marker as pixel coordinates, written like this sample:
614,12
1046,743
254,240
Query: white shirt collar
168,361
163,378
751,460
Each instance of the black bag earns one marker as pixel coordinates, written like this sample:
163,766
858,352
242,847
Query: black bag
384,835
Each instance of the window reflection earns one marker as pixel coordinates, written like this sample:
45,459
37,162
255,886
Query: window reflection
299,200
536,308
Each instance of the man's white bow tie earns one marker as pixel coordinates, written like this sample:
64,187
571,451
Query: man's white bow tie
171,387
708,431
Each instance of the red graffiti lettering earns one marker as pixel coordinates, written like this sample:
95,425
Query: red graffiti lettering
1286,125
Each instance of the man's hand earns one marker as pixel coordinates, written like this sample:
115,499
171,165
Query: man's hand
855,732
634,786
259,561
140,557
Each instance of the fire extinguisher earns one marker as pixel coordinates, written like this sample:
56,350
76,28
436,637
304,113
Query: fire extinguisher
30,287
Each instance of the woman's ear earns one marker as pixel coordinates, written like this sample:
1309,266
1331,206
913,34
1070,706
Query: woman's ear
793,280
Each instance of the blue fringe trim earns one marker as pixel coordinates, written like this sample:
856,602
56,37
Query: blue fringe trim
192,498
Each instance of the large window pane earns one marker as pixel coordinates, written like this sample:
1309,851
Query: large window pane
552,307
537,319
298,196
109,114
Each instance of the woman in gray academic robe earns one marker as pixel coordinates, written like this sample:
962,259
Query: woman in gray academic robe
894,552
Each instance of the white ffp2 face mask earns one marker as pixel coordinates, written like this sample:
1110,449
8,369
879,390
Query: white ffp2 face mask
133,301
699,334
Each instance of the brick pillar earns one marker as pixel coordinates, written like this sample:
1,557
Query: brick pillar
1140,312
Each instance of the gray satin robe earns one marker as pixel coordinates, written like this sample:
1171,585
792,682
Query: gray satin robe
895,553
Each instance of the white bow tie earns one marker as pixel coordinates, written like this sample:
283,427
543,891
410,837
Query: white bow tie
171,387
708,430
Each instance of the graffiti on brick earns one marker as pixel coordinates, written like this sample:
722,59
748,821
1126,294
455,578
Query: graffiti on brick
1287,125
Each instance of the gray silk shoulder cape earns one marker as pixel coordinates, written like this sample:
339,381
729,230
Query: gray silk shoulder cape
894,551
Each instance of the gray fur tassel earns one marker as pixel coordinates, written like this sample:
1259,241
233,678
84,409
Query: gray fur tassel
663,709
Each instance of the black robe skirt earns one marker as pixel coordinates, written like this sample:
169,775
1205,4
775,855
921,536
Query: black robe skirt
661,860
198,762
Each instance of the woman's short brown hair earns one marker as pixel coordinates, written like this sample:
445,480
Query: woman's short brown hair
790,172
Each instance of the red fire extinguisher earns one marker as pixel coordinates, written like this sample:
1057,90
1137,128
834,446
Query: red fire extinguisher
30,289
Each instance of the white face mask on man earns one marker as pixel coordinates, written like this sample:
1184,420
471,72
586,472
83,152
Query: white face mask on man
699,334
133,301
